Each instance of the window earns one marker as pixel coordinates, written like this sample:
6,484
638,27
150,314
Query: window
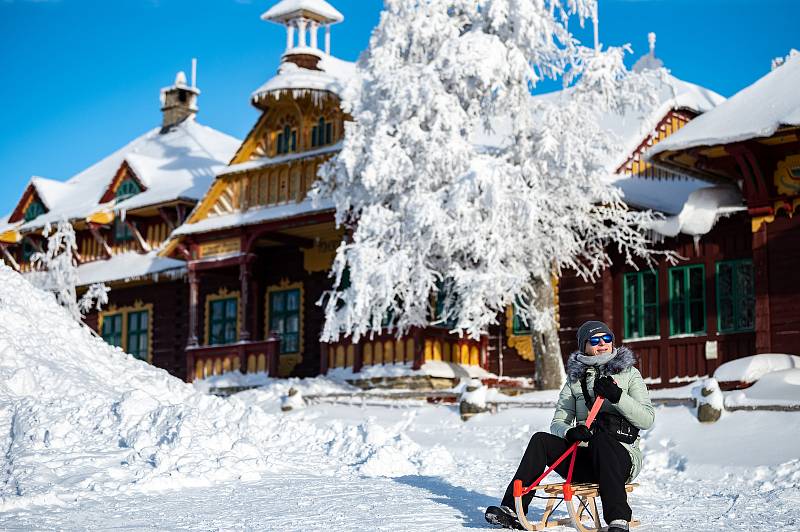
126,189
284,318
687,299
321,133
640,304
34,209
129,328
287,141
137,334
223,320
28,249
735,296
518,327
122,231
112,329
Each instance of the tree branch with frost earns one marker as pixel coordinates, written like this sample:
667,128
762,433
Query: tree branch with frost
436,208
57,272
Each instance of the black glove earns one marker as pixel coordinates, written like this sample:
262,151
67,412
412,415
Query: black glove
578,433
606,387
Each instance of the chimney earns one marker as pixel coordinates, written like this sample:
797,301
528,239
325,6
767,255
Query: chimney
178,102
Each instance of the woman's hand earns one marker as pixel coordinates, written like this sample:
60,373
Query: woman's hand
606,387
578,433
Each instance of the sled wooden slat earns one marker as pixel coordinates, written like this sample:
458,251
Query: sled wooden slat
583,505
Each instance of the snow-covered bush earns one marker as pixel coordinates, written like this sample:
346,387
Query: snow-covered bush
58,272
436,212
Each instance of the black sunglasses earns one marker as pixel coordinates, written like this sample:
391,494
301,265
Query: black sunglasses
595,340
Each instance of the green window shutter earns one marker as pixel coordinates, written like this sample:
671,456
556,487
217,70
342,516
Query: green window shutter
28,249
138,344
687,302
284,318
34,209
735,296
223,321
640,304
127,188
112,329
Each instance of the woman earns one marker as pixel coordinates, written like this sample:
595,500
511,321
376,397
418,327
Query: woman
612,456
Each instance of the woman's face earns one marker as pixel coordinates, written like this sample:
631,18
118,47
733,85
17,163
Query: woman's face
601,348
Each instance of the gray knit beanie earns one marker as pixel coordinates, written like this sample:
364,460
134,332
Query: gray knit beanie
589,329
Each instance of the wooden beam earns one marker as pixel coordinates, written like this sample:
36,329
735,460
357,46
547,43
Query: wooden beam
283,238
100,239
162,211
9,257
137,235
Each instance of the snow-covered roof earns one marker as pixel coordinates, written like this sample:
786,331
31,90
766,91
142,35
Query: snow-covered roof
756,111
333,76
180,163
701,210
263,162
253,216
286,9
128,266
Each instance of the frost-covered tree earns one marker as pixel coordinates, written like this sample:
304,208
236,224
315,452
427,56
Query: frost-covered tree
57,272
456,183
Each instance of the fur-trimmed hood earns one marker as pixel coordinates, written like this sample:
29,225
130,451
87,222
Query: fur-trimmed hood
624,359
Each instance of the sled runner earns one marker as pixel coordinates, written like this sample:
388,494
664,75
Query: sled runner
567,493
586,508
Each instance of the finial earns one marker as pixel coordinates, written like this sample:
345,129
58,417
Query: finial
180,78
651,38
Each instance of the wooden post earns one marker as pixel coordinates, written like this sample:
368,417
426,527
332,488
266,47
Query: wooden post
419,349
244,280
323,357
358,356
761,270
194,296
273,343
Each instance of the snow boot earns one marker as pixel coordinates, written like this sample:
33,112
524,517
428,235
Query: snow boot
503,516
618,525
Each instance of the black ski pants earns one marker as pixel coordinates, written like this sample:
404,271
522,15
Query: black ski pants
605,461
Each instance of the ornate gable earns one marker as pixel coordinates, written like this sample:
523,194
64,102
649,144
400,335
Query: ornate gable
29,207
635,165
125,183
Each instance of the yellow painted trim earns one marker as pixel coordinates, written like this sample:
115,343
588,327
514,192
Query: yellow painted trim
222,293
758,221
523,343
287,361
784,181
137,306
101,217
12,236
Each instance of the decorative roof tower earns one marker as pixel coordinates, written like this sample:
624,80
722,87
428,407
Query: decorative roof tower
303,19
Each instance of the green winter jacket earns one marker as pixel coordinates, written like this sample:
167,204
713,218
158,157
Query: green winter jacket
634,404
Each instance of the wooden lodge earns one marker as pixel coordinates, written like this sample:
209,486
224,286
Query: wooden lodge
217,258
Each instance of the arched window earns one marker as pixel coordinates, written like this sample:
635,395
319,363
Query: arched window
321,133
286,141
126,189
34,209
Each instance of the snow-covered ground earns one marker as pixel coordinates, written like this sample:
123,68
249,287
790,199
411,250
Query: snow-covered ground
91,438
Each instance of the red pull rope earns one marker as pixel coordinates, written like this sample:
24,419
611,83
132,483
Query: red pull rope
572,449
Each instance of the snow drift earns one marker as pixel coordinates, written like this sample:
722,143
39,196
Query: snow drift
79,416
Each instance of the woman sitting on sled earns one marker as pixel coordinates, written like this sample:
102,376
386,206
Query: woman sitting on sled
612,456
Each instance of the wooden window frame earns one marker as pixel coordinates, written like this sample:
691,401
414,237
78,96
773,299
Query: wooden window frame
120,195
641,306
736,298
137,306
687,300
222,294
34,209
269,314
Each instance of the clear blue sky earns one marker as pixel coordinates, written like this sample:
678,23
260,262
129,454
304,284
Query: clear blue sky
80,78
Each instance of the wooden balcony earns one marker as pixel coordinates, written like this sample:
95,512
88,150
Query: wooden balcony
247,357
418,346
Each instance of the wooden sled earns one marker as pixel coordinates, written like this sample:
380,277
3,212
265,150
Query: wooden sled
582,507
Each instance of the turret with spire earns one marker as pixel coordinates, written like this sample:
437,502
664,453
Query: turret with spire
302,19
649,61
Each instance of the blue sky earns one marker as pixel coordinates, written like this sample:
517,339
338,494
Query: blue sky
81,78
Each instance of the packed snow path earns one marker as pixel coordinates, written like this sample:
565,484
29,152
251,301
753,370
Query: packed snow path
690,480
